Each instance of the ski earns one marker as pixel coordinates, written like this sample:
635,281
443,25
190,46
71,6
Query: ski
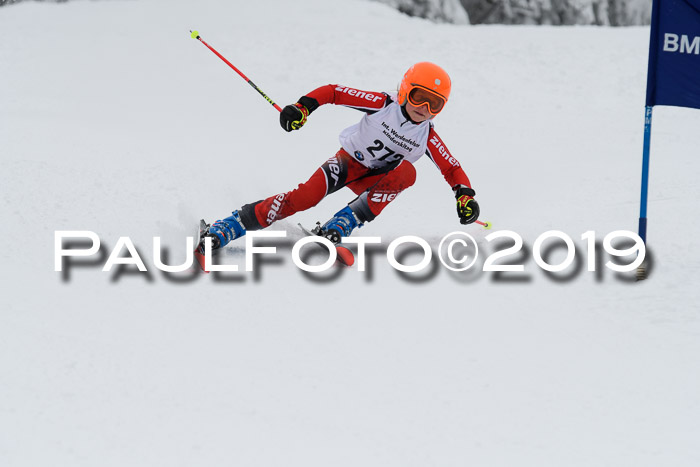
199,250
345,256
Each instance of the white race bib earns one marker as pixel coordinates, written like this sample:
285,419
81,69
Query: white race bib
385,138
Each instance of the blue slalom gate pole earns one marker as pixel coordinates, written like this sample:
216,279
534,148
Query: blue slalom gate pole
645,175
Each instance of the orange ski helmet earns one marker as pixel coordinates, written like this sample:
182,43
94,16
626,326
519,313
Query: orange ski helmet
421,77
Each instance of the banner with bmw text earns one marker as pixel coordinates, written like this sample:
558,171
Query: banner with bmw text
674,54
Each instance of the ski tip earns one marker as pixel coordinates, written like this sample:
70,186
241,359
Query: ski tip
201,261
345,256
194,34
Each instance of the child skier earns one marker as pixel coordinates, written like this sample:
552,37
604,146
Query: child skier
375,160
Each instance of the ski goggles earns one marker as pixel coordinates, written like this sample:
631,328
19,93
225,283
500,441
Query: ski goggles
421,96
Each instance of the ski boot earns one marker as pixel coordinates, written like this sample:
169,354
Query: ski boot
221,232
225,230
340,225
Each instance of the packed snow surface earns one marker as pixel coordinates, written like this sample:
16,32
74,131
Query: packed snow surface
114,120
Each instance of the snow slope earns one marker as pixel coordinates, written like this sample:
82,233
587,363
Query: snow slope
112,119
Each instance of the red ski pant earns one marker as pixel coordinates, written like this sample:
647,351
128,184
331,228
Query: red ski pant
376,189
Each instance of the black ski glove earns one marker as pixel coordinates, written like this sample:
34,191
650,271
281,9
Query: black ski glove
294,116
467,207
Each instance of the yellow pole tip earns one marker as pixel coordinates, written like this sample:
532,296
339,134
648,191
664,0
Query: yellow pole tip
194,34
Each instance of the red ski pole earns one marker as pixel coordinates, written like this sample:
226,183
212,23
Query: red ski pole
195,35
487,225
